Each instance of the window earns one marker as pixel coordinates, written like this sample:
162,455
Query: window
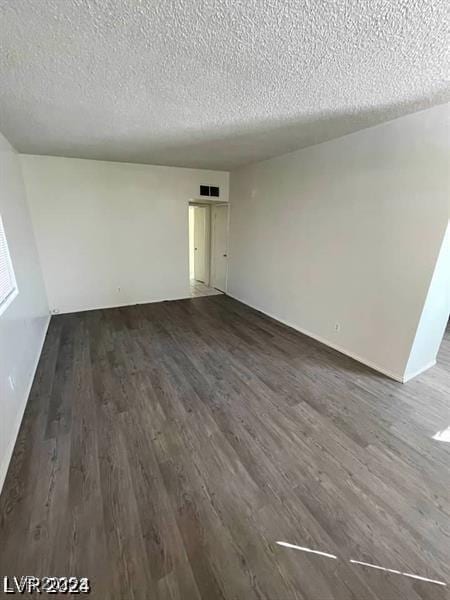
8,287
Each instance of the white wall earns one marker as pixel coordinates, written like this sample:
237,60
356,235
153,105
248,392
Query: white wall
24,323
112,234
435,314
346,232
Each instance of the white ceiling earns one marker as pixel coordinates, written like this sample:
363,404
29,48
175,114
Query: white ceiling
212,83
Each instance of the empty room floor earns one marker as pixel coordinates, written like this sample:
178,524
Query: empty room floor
166,448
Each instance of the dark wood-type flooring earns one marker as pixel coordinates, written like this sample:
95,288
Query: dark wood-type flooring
167,447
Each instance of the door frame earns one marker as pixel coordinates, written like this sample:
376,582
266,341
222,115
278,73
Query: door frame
203,241
209,241
227,235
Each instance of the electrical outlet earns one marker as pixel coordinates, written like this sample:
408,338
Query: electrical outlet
337,326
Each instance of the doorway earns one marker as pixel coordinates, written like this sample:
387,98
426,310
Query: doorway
208,248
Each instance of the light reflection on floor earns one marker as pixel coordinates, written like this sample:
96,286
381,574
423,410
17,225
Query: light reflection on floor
306,549
361,563
442,436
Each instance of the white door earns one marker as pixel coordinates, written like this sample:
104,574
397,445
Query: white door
200,243
220,247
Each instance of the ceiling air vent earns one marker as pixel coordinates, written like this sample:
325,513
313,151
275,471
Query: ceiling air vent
209,190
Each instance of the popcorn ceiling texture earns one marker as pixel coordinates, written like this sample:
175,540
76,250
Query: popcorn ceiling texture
212,83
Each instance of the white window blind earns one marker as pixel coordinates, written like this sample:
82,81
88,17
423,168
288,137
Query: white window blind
7,279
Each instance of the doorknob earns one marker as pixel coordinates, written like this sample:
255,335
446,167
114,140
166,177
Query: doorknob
225,255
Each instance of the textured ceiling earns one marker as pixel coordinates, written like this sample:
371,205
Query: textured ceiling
212,83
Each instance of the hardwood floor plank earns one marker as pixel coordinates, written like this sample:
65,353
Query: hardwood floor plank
167,447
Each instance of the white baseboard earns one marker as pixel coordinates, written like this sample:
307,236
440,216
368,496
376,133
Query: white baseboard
15,430
364,361
69,311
